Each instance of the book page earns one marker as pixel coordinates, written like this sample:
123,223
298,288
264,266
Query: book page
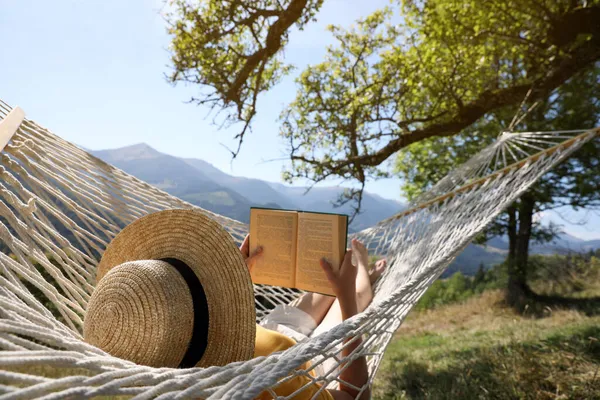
318,237
275,230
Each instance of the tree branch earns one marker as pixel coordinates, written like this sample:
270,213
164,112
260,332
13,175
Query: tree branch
490,100
272,45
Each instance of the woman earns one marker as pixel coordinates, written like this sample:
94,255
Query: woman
314,313
174,291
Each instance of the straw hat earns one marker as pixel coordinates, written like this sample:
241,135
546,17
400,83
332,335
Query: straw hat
173,291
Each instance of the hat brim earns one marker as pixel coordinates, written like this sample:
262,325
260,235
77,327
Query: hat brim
203,244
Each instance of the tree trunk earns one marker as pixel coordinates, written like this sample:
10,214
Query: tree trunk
511,231
519,233
512,294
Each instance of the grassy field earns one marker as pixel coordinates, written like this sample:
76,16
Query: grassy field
479,349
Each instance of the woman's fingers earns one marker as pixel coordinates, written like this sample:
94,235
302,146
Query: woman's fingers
245,247
250,258
328,269
256,254
347,262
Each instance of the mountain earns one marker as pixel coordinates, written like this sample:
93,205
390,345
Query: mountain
474,255
255,190
202,184
562,244
178,178
374,208
320,199
496,249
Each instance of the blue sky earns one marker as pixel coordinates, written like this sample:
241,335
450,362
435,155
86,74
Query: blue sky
93,72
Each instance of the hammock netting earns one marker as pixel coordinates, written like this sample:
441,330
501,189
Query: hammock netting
61,206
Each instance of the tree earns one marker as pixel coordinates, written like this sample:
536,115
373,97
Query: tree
387,84
458,284
479,278
574,183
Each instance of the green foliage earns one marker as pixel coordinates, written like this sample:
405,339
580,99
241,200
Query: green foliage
387,85
412,71
232,49
571,276
575,182
574,105
479,277
458,288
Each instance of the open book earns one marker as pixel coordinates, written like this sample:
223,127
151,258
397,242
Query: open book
294,242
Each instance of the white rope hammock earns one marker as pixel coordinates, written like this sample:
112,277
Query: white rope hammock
60,207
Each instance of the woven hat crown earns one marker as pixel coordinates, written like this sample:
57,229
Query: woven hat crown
142,311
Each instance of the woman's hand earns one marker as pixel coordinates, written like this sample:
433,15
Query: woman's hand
355,374
250,258
342,279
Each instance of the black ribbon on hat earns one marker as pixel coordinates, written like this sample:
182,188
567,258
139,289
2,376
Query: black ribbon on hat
199,340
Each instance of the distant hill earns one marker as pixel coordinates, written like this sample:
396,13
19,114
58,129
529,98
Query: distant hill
566,243
202,184
562,244
496,249
469,260
375,208
255,190
178,178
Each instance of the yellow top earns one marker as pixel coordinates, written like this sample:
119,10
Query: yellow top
267,342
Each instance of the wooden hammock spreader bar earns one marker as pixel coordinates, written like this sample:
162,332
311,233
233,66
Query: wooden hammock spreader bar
479,181
10,125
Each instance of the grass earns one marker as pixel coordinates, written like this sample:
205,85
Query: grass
480,349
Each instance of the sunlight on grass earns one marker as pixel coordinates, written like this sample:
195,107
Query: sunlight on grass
479,349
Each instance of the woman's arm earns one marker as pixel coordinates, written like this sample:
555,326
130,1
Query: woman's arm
343,283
